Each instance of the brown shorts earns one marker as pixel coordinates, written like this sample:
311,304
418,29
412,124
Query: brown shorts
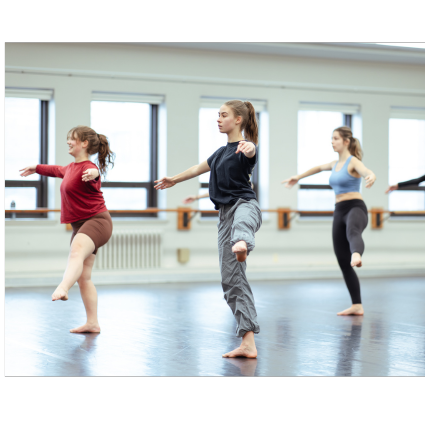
98,228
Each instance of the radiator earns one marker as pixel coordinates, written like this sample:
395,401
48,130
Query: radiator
130,250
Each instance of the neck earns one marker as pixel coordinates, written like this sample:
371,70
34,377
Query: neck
81,157
234,136
344,155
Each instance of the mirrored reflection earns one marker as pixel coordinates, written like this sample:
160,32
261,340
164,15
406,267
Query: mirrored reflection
238,365
349,346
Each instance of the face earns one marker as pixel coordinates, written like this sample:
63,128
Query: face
338,143
75,147
226,120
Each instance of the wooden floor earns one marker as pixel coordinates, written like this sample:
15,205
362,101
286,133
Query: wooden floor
183,329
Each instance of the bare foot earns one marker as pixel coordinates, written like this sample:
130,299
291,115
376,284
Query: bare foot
88,327
241,351
241,251
247,348
354,310
60,294
356,260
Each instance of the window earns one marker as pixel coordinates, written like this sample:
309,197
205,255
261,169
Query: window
210,139
406,162
131,128
26,120
314,148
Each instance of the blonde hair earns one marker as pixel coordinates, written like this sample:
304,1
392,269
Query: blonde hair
249,121
354,147
98,143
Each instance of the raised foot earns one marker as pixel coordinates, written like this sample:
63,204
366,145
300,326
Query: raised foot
60,294
249,352
241,251
356,260
88,327
354,310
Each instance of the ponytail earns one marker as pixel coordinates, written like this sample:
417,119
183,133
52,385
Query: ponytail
105,156
354,147
249,120
251,126
97,143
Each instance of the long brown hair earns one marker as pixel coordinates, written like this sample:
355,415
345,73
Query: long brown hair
98,143
354,147
249,121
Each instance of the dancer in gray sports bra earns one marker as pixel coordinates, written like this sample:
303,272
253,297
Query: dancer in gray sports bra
350,216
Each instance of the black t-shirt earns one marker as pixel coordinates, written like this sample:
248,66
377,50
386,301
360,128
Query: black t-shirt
230,175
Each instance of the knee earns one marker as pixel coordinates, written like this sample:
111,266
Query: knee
84,281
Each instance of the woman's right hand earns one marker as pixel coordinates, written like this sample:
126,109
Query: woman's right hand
164,183
28,171
291,181
391,188
190,199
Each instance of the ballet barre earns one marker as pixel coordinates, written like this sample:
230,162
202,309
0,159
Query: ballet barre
284,215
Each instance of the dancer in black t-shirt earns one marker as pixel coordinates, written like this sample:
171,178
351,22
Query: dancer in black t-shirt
230,190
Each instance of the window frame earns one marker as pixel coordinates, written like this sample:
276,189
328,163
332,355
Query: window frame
348,120
40,184
152,196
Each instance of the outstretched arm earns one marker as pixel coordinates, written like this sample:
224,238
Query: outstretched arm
367,174
194,198
315,170
412,182
190,173
44,170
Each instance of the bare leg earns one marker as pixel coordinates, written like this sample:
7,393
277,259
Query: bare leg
89,296
356,260
81,248
246,349
354,310
240,249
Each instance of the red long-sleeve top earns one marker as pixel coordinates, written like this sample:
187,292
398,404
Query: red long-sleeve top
79,200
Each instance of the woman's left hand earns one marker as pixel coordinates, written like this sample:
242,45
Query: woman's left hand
370,179
247,148
90,174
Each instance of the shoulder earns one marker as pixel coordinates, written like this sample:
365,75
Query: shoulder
355,161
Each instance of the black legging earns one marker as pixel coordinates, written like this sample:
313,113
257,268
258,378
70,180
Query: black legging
350,219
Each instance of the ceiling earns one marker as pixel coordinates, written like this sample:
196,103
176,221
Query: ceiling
343,51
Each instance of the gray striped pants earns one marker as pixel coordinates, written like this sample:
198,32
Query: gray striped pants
238,222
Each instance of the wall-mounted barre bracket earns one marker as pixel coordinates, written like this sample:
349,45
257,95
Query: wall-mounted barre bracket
184,217
284,218
377,218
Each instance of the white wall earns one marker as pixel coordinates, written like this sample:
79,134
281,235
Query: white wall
73,71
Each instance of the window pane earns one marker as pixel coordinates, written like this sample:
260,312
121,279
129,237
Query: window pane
407,201
210,139
316,199
314,142
22,136
125,198
205,203
24,197
127,127
406,137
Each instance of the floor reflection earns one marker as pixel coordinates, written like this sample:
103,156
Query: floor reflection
183,330
245,367
349,346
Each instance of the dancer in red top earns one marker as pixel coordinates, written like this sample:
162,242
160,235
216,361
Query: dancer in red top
83,206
